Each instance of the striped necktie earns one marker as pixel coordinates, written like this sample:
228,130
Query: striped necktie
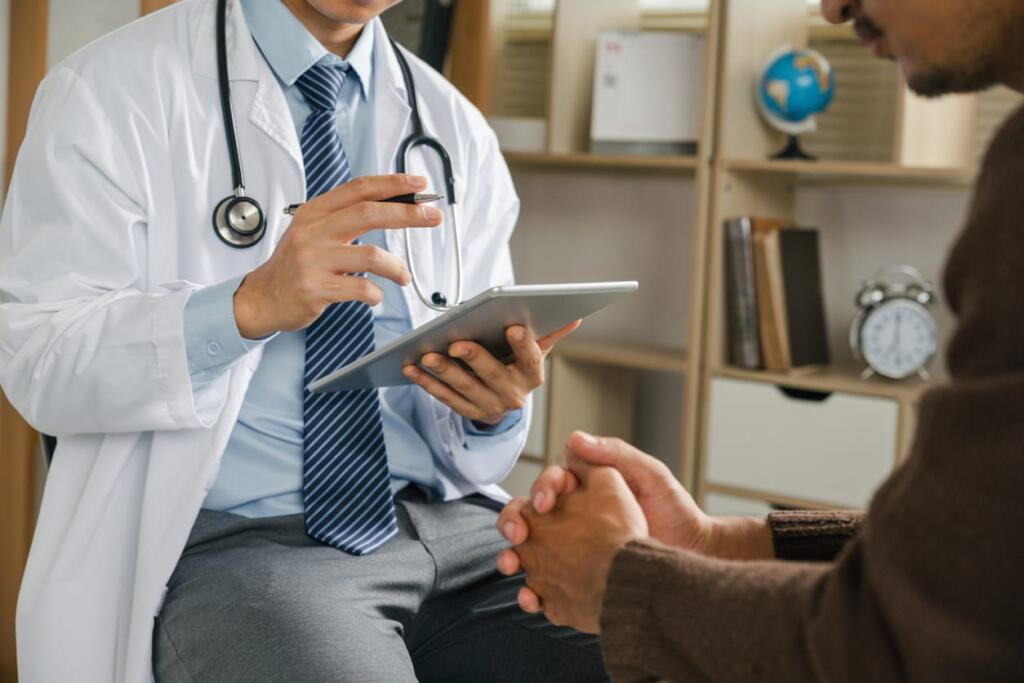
345,480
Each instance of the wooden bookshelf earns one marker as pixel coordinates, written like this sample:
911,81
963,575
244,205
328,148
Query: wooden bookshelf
603,162
746,181
852,170
770,498
594,384
830,379
629,356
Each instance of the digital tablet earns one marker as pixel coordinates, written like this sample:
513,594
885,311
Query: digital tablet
542,309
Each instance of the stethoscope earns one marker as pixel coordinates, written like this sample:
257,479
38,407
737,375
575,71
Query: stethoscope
238,219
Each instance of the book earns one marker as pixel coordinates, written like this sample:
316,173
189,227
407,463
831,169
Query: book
790,302
741,289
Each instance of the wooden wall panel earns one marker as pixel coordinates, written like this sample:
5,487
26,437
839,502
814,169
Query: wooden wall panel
18,443
153,5
469,57
27,64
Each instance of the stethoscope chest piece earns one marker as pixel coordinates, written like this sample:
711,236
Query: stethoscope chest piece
239,221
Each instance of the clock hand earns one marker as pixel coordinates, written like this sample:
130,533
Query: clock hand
894,345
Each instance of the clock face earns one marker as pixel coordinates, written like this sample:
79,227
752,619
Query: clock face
898,338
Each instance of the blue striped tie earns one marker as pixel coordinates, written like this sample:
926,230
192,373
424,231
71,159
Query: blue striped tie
346,484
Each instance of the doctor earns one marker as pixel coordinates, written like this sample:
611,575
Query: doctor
204,517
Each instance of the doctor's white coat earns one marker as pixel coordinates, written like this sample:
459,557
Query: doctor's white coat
105,233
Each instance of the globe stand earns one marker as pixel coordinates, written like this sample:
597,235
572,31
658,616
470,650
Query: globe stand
793,150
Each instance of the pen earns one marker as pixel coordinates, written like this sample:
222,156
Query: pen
418,198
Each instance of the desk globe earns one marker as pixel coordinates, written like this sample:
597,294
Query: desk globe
794,87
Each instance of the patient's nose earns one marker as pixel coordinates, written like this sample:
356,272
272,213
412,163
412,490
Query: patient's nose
839,11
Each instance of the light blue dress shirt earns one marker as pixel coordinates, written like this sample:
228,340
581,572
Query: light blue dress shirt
261,471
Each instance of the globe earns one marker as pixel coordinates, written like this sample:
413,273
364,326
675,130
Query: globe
794,87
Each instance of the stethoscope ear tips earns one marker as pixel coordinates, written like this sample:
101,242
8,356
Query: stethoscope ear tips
439,299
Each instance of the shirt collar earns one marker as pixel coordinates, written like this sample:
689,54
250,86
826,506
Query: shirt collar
291,49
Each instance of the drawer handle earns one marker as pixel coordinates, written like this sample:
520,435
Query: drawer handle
804,394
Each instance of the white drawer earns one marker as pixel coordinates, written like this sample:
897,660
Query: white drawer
837,450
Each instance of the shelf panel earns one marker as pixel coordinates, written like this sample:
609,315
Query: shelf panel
853,169
584,161
770,498
833,378
623,355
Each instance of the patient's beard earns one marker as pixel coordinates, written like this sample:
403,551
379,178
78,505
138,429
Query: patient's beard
935,81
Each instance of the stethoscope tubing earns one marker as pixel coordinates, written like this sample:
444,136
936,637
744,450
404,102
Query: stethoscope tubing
429,301
237,231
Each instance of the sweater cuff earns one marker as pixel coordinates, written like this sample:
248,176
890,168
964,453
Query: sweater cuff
812,536
675,615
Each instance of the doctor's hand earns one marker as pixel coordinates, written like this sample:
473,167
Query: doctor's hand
316,263
482,388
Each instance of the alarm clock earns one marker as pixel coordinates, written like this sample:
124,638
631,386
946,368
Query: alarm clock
895,333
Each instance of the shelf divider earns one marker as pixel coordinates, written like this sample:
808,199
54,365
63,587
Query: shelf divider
833,379
852,169
611,162
771,498
631,356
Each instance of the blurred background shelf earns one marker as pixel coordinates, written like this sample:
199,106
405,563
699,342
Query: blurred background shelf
776,501
613,162
630,356
856,170
845,379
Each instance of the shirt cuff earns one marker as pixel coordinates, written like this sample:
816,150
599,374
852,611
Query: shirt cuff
510,420
212,339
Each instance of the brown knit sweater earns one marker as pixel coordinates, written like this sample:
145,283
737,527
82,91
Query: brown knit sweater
932,587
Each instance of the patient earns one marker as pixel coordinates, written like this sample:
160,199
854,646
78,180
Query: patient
928,585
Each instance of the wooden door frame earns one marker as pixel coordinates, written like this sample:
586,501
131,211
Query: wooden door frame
18,442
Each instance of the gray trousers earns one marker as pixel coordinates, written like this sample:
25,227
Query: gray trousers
259,600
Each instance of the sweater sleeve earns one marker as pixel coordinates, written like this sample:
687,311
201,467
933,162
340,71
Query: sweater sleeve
929,588
812,536
678,616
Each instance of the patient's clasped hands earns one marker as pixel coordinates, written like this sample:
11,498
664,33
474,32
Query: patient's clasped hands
579,516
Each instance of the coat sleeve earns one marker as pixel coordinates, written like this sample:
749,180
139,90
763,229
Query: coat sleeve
86,344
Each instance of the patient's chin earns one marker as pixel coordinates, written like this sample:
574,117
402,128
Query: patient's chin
936,81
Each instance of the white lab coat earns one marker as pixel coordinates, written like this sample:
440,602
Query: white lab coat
105,233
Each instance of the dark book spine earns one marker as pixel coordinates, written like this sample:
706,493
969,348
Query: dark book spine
800,253
741,294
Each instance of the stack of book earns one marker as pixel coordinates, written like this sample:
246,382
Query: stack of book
776,310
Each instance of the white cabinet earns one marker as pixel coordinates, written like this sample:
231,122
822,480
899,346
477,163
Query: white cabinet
833,448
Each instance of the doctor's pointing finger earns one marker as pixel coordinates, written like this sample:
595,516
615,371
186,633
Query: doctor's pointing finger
316,263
